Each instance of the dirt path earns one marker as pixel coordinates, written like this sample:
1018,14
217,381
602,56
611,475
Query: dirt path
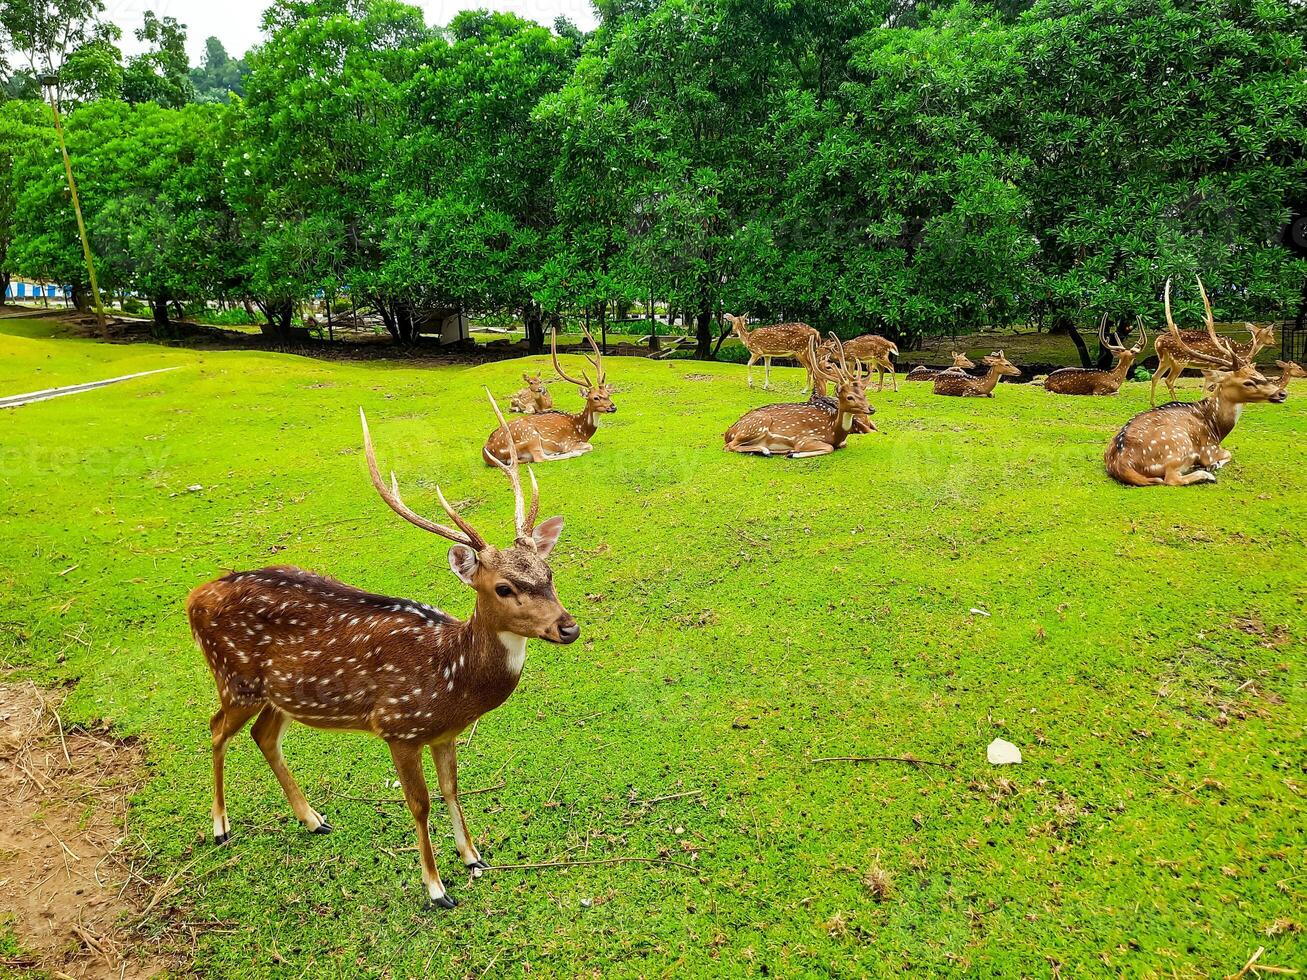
67,886
13,401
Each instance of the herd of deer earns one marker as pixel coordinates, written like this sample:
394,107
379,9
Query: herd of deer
288,645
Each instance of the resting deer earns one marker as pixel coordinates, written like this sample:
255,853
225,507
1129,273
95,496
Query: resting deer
1094,381
961,364
780,340
870,349
800,430
820,389
551,434
965,386
1171,359
533,398
1179,443
289,645
1288,371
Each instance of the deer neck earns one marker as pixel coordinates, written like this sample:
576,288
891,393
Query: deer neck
841,425
1220,415
496,655
587,421
986,384
1119,370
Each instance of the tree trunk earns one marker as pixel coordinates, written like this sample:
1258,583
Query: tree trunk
703,331
404,323
159,307
82,297
4,286
278,313
533,325
1062,324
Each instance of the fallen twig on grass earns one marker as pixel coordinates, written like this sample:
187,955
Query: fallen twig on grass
669,796
1249,965
885,758
578,864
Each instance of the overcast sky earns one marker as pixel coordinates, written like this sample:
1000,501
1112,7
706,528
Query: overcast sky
236,22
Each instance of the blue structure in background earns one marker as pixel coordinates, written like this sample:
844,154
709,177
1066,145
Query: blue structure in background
28,290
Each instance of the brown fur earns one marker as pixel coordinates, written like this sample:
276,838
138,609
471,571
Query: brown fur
533,398
765,343
965,386
1171,361
961,364
870,349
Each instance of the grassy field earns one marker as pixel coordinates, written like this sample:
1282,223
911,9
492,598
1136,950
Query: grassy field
742,618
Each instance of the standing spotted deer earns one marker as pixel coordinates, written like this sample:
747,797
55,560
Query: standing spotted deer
779,340
870,349
961,364
552,435
1172,359
533,398
801,430
965,386
1094,381
288,645
1179,443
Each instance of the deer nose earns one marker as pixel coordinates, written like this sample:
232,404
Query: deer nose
568,630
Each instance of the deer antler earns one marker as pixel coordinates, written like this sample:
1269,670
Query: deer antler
814,362
1143,334
523,520
390,494
553,350
597,362
1189,352
839,349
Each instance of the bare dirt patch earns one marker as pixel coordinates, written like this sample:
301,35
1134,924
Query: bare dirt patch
66,877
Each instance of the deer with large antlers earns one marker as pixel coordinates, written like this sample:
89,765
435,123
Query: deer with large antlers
819,387
965,386
1094,381
871,349
533,398
961,365
1179,443
779,340
800,430
288,645
552,434
1172,360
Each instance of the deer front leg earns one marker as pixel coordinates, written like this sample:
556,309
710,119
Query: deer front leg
753,358
766,373
408,766
893,375
268,732
443,753
223,726
811,446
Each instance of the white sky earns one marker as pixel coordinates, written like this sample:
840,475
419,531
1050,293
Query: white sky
236,22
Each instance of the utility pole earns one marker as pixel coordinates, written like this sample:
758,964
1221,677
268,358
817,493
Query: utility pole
50,83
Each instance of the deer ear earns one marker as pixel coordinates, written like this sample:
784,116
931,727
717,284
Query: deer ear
546,535
463,562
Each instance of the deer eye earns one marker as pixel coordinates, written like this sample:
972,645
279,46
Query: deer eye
504,591
1250,384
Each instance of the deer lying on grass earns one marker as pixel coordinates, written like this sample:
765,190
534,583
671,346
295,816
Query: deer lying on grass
1094,381
1179,443
961,365
533,398
820,388
779,340
799,430
870,349
1288,371
551,434
965,386
1171,360
289,645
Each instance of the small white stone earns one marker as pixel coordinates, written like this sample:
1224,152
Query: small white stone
1003,753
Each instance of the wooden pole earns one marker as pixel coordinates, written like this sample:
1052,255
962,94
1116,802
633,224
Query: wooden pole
77,208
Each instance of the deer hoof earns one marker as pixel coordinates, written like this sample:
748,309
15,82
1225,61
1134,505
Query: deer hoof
443,902
322,828
477,866
220,839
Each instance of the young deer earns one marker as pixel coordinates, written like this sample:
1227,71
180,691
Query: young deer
1179,443
800,430
820,388
1288,371
286,644
1171,359
961,364
779,340
533,398
870,349
552,434
1092,381
965,386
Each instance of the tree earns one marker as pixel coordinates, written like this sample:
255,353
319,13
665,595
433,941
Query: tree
22,124
67,39
219,75
161,74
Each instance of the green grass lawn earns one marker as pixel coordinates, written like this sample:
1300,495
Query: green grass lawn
742,618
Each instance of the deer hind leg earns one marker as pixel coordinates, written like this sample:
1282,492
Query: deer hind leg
1176,477
225,724
444,755
766,373
268,731
894,378
811,446
408,766
1173,375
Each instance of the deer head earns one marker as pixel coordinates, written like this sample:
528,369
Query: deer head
1230,378
1288,371
597,393
739,324
514,585
1125,356
999,363
850,394
535,382
960,360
